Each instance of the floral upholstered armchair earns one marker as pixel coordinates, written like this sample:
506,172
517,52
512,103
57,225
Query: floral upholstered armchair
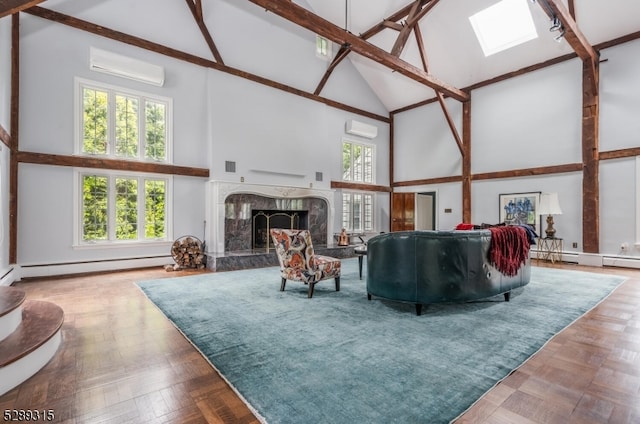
298,262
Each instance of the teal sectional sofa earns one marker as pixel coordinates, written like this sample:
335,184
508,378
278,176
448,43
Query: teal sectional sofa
424,267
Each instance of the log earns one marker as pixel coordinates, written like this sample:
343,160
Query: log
188,253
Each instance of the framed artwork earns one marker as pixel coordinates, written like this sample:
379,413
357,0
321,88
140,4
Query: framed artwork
520,208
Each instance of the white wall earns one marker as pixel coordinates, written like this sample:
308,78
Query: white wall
619,129
5,117
5,71
46,193
275,137
530,121
424,144
278,138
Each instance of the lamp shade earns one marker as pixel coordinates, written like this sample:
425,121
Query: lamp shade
549,204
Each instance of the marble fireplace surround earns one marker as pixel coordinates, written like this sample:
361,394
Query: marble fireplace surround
265,196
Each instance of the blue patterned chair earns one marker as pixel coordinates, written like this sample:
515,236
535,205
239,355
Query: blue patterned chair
298,262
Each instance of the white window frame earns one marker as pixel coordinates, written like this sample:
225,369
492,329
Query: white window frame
326,53
349,226
81,83
354,142
503,25
79,173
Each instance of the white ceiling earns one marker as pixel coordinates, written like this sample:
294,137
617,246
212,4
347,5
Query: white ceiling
453,52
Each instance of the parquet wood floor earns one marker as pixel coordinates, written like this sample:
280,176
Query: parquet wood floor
121,361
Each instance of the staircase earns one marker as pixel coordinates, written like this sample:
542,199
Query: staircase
29,336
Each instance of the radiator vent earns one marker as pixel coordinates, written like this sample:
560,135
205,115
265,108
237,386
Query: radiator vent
229,166
318,176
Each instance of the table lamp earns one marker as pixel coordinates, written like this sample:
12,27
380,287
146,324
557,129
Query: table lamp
549,206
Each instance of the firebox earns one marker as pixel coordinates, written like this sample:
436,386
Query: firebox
264,220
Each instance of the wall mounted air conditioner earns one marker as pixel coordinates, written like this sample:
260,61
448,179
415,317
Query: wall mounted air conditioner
125,67
361,129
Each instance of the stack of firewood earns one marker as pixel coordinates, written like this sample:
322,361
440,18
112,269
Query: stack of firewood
188,253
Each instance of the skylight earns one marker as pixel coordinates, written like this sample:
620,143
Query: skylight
503,25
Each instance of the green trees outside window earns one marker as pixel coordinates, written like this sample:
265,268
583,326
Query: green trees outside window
126,126
155,124
357,162
95,122
94,207
114,208
123,125
154,194
126,209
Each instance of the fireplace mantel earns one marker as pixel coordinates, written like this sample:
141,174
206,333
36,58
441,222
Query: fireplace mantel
218,191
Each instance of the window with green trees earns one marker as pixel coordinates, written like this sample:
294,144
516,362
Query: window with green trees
118,208
358,167
357,162
121,124
118,123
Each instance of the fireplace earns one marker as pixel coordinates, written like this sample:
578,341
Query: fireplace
233,208
230,208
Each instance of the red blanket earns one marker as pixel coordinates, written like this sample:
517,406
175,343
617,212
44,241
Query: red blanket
509,248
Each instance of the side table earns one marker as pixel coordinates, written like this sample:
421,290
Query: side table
550,249
361,251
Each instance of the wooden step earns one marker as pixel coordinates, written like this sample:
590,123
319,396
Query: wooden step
40,322
32,344
11,300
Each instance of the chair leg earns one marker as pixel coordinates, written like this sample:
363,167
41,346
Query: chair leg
337,283
507,296
418,309
284,281
311,287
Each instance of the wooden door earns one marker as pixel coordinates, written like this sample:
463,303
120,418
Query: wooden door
402,211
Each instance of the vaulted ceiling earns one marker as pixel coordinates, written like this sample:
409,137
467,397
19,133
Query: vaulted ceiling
451,49
406,50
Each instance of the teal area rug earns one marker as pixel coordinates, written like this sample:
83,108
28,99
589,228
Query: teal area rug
339,358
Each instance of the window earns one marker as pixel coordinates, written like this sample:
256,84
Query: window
122,124
357,162
323,47
506,24
120,208
357,212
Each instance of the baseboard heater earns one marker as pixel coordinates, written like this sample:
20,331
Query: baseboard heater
68,268
595,259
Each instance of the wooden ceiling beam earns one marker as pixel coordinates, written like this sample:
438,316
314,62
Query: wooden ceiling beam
388,23
576,38
304,18
405,32
196,11
393,25
413,19
573,35
340,56
9,7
